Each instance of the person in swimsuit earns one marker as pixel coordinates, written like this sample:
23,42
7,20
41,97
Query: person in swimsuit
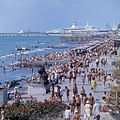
82,92
89,78
104,80
75,90
78,104
91,99
83,77
76,116
67,93
99,74
85,99
72,103
102,72
70,76
79,70
74,77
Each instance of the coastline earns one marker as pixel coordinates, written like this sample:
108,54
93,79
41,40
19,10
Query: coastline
41,96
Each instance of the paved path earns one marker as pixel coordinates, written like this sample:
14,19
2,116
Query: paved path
99,89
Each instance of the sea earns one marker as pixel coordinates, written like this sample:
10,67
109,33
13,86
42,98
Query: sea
38,45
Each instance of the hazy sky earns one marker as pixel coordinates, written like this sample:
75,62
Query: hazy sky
42,15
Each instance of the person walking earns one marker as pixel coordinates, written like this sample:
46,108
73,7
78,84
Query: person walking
104,80
82,92
89,78
52,92
99,74
97,62
78,104
91,99
83,77
79,70
87,110
67,115
72,104
67,93
76,116
97,109
74,76
75,90
70,76
93,83
85,99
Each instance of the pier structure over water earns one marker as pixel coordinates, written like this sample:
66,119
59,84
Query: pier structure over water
23,34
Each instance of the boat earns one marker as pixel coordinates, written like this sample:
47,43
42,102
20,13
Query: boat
77,30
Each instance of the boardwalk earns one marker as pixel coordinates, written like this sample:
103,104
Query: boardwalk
97,94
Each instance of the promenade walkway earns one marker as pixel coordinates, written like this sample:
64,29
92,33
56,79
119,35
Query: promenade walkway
97,94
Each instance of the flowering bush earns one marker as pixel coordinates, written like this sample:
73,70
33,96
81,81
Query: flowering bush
33,109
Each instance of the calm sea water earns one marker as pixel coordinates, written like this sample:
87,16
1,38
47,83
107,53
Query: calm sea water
8,47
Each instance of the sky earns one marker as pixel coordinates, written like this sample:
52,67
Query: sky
43,15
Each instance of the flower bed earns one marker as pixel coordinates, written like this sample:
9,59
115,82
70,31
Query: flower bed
33,109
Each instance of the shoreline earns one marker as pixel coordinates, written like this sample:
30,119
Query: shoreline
41,96
83,48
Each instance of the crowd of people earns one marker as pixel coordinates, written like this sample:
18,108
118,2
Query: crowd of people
78,66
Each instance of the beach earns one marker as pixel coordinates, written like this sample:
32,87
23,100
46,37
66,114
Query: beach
81,59
39,92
